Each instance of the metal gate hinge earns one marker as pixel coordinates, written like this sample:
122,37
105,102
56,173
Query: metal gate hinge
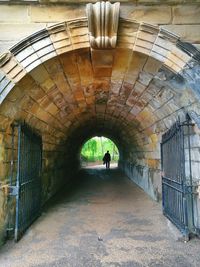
13,190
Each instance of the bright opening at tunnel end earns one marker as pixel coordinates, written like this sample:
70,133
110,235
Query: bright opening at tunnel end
93,152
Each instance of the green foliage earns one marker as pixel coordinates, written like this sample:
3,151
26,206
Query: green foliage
95,148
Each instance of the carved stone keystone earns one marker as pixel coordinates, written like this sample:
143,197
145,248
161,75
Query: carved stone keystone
103,20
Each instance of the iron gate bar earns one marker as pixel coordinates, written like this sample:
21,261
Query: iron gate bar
17,183
12,191
12,154
174,187
28,181
176,192
190,168
173,181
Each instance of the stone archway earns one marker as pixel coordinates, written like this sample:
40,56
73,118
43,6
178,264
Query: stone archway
67,90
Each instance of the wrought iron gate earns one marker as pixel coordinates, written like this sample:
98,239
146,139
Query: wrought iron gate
176,187
28,181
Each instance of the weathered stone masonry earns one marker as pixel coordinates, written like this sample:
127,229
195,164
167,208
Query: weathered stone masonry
68,91
19,21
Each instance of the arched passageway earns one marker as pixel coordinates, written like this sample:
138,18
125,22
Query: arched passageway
68,91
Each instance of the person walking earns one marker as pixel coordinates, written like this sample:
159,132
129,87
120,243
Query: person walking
107,159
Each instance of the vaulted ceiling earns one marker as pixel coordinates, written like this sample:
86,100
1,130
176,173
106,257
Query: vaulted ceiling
65,89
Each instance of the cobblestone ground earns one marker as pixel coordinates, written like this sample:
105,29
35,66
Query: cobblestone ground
104,221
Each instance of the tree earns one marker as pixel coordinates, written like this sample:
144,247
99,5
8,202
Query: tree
94,149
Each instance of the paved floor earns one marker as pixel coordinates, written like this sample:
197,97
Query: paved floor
105,221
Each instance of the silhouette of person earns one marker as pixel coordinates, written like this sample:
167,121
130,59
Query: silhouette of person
107,159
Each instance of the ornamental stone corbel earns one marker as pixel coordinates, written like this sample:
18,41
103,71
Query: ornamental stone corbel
103,20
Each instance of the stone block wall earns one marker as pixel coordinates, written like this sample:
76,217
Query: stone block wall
7,203
145,177
143,166
19,21
53,175
3,194
193,170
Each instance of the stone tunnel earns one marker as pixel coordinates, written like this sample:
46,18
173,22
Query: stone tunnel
67,90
